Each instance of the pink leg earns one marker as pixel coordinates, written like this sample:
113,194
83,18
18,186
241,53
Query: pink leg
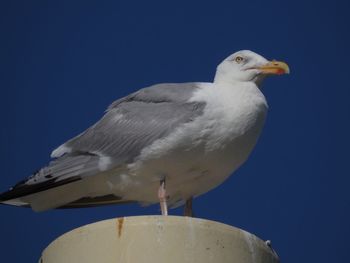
162,198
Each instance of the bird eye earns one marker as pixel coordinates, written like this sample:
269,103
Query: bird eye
238,59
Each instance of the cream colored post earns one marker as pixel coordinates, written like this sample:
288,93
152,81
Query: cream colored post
153,239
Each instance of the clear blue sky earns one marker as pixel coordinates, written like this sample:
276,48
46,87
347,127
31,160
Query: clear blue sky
62,63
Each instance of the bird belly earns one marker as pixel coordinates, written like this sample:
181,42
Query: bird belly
191,161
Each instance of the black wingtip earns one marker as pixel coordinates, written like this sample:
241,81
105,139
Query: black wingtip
22,189
23,205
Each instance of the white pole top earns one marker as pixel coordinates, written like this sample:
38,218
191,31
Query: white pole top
153,239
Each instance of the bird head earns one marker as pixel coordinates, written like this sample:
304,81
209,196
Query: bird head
246,65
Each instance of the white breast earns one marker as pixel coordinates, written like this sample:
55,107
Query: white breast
202,154
231,112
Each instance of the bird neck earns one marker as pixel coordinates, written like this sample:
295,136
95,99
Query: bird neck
233,84
223,78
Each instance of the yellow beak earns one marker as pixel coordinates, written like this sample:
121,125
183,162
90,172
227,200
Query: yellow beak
274,67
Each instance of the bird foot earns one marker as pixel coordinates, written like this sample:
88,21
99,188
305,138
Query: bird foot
188,211
163,198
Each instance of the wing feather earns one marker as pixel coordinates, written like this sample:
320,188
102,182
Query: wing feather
129,125
134,122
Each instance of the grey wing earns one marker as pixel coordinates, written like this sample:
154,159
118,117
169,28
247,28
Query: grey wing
129,125
134,122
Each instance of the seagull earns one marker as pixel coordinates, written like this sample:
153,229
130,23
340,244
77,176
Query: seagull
166,143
